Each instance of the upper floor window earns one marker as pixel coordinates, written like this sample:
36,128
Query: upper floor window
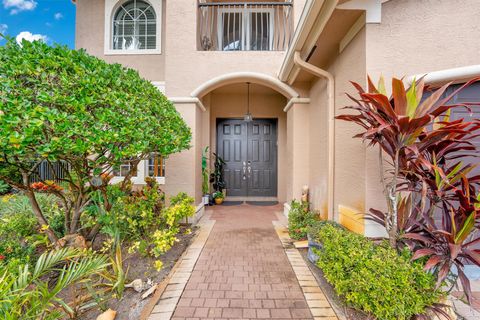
245,25
133,26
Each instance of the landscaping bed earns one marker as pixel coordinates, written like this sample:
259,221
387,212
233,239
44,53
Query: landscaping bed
338,304
130,306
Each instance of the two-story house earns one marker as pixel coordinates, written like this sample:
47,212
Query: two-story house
261,81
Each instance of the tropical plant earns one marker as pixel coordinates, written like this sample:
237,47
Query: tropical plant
218,195
66,108
403,127
300,219
376,278
4,187
432,204
33,295
205,172
217,176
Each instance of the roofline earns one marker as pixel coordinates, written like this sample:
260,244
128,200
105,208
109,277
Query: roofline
315,16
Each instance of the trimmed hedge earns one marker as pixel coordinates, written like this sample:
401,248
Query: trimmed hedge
375,278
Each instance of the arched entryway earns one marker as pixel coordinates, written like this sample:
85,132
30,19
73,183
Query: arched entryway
254,151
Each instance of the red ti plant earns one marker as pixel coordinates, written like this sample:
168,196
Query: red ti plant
431,204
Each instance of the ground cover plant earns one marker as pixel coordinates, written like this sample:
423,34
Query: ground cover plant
375,278
431,194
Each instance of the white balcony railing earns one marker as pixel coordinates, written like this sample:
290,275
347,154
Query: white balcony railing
244,26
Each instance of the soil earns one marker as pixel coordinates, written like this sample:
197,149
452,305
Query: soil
343,311
140,267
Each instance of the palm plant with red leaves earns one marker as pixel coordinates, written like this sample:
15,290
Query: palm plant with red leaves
431,196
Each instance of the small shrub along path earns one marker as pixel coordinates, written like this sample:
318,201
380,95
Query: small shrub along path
243,271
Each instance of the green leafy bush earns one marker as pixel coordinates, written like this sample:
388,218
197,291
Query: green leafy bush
299,219
19,204
20,234
142,219
313,230
375,278
63,106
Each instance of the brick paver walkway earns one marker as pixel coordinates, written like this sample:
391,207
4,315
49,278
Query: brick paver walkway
243,272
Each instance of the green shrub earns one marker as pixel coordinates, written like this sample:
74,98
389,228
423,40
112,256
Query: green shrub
142,219
375,278
19,232
299,219
314,229
19,204
18,239
64,106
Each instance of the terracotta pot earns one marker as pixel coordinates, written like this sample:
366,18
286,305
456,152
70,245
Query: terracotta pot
218,200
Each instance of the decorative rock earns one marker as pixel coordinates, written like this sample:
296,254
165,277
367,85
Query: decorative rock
107,315
136,284
72,241
149,292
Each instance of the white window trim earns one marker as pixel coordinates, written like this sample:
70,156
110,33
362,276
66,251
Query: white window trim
246,32
111,7
139,179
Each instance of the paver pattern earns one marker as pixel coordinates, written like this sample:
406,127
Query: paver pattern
243,271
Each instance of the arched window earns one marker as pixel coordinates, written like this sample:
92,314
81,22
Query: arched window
135,26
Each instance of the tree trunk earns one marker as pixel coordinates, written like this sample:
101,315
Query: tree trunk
37,210
393,232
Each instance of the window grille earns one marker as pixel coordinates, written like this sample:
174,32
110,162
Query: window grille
135,26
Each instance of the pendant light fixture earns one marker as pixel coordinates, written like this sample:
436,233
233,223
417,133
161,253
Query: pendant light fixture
248,116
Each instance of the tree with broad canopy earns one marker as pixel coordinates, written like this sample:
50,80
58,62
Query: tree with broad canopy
63,106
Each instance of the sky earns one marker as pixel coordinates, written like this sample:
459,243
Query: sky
52,21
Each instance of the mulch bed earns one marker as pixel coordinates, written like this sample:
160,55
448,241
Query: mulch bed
140,267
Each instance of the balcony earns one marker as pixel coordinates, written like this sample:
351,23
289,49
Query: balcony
244,26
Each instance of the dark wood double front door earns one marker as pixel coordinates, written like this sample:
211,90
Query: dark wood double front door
250,153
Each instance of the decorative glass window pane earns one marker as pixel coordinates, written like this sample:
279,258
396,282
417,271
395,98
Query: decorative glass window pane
245,29
232,31
124,170
260,31
135,26
156,166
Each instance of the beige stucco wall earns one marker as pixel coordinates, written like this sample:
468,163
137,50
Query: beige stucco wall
90,35
184,68
415,37
188,68
349,181
233,105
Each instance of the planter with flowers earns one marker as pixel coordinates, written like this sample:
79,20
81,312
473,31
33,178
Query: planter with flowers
219,197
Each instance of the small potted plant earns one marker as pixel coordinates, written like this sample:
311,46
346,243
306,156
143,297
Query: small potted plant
218,196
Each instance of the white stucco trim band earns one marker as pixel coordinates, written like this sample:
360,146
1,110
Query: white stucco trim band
239,77
456,75
373,8
293,101
188,100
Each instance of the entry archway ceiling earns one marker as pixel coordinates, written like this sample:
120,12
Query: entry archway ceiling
241,77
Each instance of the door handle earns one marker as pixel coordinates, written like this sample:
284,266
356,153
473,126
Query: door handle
244,171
